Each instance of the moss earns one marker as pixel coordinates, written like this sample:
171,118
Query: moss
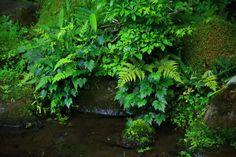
50,10
138,133
210,41
200,137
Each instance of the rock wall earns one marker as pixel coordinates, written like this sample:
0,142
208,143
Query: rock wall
222,110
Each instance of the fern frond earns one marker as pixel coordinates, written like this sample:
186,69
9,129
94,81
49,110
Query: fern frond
63,75
209,80
43,81
169,69
62,62
130,73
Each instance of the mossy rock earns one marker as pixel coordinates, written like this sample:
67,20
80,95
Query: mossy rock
138,133
49,12
222,110
209,43
16,115
98,97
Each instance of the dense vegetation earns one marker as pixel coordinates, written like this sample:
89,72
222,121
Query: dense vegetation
140,43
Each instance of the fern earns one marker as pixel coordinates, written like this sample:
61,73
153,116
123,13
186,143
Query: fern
169,69
62,62
130,73
209,80
63,75
43,81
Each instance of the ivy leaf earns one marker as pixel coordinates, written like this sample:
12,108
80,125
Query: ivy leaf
161,93
159,105
155,76
149,117
145,89
81,82
159,119
141,102
89,65
68,102
128,101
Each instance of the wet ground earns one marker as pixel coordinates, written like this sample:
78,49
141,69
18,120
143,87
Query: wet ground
86,136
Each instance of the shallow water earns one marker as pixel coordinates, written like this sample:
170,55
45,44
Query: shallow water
85,136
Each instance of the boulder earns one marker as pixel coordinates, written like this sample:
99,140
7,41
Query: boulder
222,110
98,97
22,11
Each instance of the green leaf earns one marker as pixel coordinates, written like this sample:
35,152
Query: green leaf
139,56
81,82
159,105
89,65
145,89
61,18
141,102
128,101
93,21
68,102
67,5
159,119
62,62
209,80
169,69
43,81
156,76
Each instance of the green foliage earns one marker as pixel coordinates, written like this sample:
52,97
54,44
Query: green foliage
129,72
60,59
199,137
193,97
169,69
138,133
138,30
149,95
11,35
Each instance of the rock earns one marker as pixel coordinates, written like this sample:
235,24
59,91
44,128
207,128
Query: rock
222,110
98,97
22,11
231,81
17,115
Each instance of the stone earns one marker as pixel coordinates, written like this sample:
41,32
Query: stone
16,115
222,110
98,97
22,11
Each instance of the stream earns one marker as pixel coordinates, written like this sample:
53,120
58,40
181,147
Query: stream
87,135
